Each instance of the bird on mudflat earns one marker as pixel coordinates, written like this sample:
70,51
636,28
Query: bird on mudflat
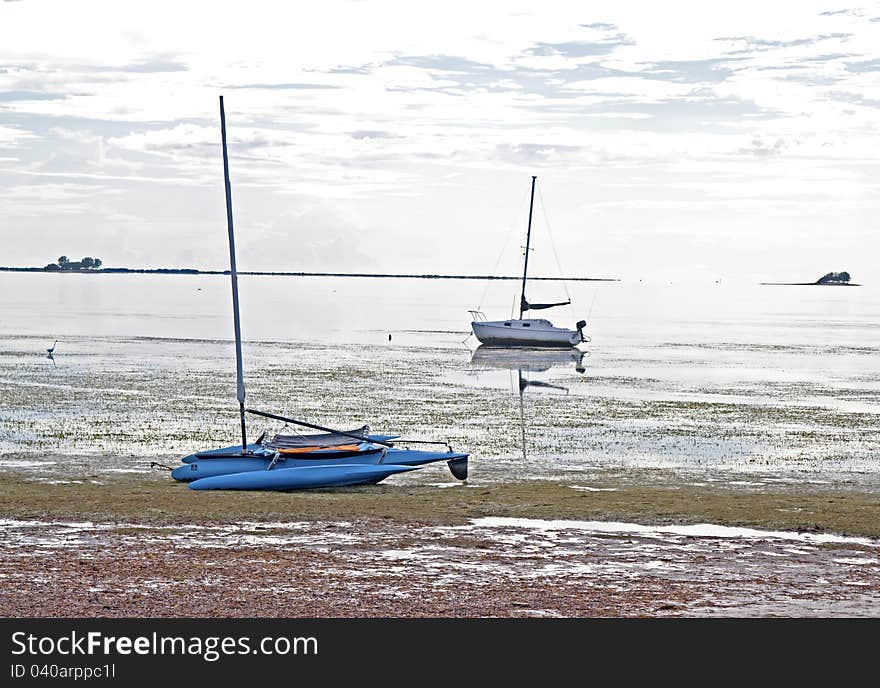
53,347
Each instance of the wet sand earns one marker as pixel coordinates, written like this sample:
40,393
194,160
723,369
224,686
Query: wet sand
623,547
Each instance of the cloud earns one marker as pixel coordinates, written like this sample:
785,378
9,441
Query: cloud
835,13
535,153
854,98
707,71
282,86
10,96
599,26
575,49
864,66
372,134
183,137
761,148
13,135
156,65
749,44
316,238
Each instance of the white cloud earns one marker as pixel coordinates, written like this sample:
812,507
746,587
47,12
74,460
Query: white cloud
11,136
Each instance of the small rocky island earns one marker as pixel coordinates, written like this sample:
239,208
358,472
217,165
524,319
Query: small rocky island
831,279
834,278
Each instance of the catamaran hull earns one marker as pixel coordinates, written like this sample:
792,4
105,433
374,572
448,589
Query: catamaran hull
208,467
518,333
302,477
230,460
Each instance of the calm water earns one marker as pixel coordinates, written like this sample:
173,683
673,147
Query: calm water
731,382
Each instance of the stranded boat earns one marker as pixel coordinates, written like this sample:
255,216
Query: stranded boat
329,462
291,462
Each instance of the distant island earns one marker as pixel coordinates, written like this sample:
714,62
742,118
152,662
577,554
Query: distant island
64,264
831,279
93,266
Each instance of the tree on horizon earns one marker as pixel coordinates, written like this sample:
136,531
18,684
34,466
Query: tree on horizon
64,263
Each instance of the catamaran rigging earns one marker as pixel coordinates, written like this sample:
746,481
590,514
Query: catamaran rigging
287,462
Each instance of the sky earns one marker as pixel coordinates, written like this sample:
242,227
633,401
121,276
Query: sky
673,140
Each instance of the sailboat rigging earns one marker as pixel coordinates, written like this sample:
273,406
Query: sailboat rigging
289,462
536,332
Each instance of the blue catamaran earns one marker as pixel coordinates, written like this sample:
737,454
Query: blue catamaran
330,458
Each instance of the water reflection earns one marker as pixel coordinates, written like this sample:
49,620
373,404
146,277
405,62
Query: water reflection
524,383
527,361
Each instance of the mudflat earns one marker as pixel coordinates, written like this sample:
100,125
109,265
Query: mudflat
635,544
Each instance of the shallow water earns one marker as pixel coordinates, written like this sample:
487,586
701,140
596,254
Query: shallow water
719,382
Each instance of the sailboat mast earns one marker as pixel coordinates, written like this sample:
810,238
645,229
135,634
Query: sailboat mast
522,298
234,275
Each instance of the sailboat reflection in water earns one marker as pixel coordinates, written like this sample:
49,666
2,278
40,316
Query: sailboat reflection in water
330,458
524,361
530,359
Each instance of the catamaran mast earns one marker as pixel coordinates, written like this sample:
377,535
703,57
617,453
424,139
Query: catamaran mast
522,298
234,275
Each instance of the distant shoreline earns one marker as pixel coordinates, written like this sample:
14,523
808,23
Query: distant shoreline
189,271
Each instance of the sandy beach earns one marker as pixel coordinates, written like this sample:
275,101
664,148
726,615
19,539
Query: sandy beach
142,547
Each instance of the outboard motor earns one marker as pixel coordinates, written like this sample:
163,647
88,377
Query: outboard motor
581,324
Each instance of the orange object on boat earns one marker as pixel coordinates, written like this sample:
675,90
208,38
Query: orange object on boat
303,450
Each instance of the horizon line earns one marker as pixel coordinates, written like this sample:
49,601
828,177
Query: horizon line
286,273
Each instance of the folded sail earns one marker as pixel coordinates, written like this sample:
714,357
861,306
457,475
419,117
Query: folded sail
526,306
322,440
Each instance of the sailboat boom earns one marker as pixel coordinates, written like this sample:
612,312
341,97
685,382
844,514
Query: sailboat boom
313,426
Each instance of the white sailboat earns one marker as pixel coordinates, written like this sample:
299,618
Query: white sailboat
534,332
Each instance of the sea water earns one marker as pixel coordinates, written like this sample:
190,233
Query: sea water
719,381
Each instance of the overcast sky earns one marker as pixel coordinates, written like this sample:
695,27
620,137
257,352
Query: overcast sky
670,139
